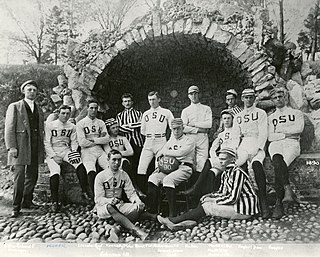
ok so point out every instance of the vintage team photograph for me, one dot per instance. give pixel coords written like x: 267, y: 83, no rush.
x: 160, y: 128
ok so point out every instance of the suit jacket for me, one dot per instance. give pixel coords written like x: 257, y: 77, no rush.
x: 17, y: 134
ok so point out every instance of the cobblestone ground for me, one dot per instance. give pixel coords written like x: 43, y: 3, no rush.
x: 78, y: 224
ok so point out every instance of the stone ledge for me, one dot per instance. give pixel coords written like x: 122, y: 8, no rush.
x: 304, y: 175
x: 69, y: 188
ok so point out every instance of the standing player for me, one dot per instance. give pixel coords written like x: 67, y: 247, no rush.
x: 129, y: 121
x: 209, y: 178
x: 154, y: 124
x: 92, y: 134
x: 231, y: 99
x: 61, y: 145
x: 181, y: 147
x: 251, y: 125
x: 197, y: 120
x: 285, y: 127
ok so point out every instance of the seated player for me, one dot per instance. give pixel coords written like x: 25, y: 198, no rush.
x: 61, y: 145
x: 285, y: 127
x: 123, y: 145
x: 181, y: 147
x: 235, y: 198
x: 92, y: 134
x: 251, y: 125
x: 110, y: 185
x: 209, y: 179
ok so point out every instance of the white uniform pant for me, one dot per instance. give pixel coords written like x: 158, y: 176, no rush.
x: 224, y: 211
x: 150, y: 149
x: 216, y: 165
x: 201, y: 150
x: 54, y: 167
x: 90, y: 156
x: 130, y: 210
x: 288, y: 148
x: 249, y: 151
x: 173, y: 179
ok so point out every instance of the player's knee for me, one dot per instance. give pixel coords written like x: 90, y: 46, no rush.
x: 168, y: 182
x: 277, y: 159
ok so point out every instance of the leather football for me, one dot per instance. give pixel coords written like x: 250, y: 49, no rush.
x: 168, y: 164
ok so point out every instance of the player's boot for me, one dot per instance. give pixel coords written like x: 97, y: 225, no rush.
x: 278, y: 211
x: 289, y: 195
x: 55, y: 207
x: 265, y: 212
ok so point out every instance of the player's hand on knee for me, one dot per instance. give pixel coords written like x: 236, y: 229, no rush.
x: 57, y: 159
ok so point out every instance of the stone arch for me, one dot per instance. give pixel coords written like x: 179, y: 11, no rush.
x: 240, y: 57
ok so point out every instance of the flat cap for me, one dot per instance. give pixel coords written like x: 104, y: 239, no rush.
x: 277, y: 90
x: 110, y: 122
x: 28, y: 82
x: 193, y: 89
x: 176, y: 122
x: 228, y: 150
x: 232, y: 92
x: 248, y: 91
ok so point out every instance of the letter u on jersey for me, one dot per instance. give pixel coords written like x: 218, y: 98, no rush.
x: 283, y: 118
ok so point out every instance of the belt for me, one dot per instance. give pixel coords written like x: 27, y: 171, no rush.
x: 190, y: 165
x: 156, y: 135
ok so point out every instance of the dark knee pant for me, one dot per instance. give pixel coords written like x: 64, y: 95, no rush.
x: 25, y: 180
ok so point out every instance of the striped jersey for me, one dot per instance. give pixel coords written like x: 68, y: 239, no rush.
x: 235, y: 109
x: 237, y: 190
x: 129, y: 121
x: 59, y: 135
x: 155, y: 121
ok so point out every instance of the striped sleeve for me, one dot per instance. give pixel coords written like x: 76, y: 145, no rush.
x: 232, y: 197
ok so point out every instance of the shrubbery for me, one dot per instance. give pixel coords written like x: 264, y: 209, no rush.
x: 12, y: 76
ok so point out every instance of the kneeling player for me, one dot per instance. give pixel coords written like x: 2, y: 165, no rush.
x: 181, y: 147
x: 61, y: 145
x: 110, y: 185
x: 235, y: 198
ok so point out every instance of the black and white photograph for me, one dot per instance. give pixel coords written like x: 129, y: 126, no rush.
x: 167, y: 128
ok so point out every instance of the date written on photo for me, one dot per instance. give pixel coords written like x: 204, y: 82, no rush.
x: 312, y: 162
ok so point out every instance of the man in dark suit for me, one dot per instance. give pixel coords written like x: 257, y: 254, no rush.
x: 24, y: 141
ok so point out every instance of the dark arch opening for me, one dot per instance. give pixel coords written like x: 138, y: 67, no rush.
x: 170, y: 65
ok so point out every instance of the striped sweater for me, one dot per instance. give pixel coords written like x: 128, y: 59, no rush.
x: 237, y: 190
